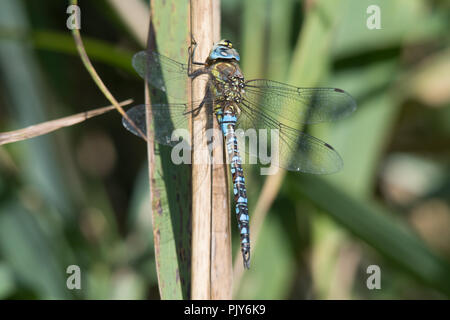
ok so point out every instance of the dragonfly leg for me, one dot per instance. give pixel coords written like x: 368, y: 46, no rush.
x: 193, y: 41
x: 191, y: 51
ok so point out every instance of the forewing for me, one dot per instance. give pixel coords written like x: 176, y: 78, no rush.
x: 164, y: 73
x: 293, y: 105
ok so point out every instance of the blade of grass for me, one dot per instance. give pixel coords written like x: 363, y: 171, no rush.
x: 96, y: 49
x: 170, y: 184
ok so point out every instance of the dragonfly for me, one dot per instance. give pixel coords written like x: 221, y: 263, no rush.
x: 242, y: 104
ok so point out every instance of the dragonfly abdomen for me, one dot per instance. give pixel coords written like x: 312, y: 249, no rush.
x: 227, y: 121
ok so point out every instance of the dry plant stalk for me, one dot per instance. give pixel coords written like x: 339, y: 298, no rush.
x: 221, y: 258
x: 201, y: 29
x: 52, y: 125
x: 211, y: 273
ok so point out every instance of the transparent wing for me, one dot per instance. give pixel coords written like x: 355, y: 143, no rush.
x: 164, y: 73
x: 292, y: 105
x: 170, y: 121
x: 287, y: 147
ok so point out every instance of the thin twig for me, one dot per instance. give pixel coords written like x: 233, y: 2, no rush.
x: 90, y: 68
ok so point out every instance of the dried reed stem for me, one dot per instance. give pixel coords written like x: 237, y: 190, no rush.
x: 221, y: 258
x: 201, y: 21
x: 52, y: 125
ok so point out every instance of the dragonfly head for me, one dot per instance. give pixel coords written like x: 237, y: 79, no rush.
x: 223, y: 50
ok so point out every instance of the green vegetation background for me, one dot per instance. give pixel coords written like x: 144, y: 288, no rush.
x: 80, y: 195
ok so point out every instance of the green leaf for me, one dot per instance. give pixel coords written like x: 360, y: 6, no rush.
x: 172, y: 195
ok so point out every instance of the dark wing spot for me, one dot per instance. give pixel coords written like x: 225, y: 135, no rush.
x: 339, y: 90
x: 328, y: 146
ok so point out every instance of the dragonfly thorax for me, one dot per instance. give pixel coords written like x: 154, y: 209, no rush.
x: 233, y: 90
x: 228, y: 84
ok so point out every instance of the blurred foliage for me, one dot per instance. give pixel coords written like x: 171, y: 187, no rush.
x: 80, y: 196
